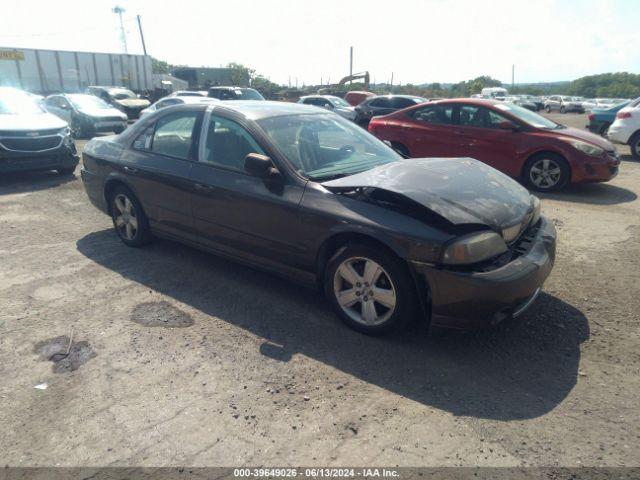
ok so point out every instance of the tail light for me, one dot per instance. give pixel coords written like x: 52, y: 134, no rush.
x: 591, y: 117
x: 623, y: 115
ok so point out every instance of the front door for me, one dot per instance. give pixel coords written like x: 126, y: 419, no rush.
x: 236, y: 212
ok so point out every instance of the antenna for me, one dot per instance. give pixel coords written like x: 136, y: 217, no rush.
x: 123, y: 37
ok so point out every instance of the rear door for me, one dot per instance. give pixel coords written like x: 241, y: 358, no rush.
x: 158, y: 164
x: 236, y: 212
x: 430, y: 132
x: 484, y: 140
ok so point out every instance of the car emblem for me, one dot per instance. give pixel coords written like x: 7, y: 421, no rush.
x: 33, y: 134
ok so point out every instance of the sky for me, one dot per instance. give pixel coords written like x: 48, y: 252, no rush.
x: 416, y: 41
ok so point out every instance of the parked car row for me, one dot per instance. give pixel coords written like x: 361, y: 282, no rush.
x: 626, y: 127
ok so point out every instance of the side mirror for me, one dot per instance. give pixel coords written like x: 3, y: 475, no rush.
x: 64, y: 106
x: 259, y: 165
x: 507, y: 125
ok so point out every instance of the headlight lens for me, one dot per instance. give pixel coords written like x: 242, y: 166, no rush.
x: 536, y: 209
x: 585, y: 147
x: 474, y: 248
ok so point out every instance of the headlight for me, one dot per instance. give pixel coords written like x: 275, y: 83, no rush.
x: 474, y: 248
x: 585, y: 147
x: 536, y: 209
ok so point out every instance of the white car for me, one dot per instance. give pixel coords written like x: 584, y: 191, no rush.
x: 189, y: 93
x: 331, y: 102
x: 170, y: 100
x: 626, y: 128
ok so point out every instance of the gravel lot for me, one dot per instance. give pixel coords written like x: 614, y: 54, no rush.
x: 181, y: 358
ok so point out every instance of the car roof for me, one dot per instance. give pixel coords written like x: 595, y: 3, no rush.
x: 231, y: 88
x: 194, y: 99
x: 259, y: 109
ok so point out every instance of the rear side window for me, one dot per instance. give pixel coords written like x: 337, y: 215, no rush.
x: 171, y: 135
x: 381, y: 103
x: 228, y: 143
x: 436, y: 114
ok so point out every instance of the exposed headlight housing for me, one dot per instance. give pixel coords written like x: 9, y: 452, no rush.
x: 536, y: 209
x: 474, y: 248
x: 585, y: 147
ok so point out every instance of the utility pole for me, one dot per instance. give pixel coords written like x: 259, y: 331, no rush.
x: 144, y: 45
x: 350, y: 61
x: 392, y: 79
x: 513, y: 76
x: 123, y: 37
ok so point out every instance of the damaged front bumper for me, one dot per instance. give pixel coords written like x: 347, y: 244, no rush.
x: 484, y: 297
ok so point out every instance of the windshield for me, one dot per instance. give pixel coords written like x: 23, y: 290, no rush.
x: 248, y: 94
x: 339, y: 102
x: 15, y: 103
x: 527, y: 116
x: 88, y: 102
x: 324, y: 146
x: 122, y: 94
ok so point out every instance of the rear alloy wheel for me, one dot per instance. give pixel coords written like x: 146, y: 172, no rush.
x: 547, y: 172
x: 548, y: 109
x: 369, y: 289
x: 129, y: 219
x: 634, y: 143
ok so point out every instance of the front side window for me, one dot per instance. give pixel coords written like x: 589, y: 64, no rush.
x: 228, y: 143
x: 325, y: 146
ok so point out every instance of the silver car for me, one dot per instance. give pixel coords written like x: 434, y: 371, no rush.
x: 171, y: 100
x: 86, y: 114
x: 563, y: 104
x: 331, y: 102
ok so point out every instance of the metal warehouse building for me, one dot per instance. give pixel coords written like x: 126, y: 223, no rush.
x: 47, y: 71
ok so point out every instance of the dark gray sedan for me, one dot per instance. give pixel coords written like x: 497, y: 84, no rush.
x: 309, y: 195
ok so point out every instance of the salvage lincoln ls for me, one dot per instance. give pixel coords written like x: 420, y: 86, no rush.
x: 310, y: 195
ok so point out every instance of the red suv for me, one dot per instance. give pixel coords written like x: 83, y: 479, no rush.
x: 512, y: 139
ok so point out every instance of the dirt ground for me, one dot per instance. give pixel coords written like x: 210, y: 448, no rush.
x: 181, y: 358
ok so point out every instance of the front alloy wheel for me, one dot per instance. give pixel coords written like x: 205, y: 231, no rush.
x: 546, y: 172
x: 370, y: 289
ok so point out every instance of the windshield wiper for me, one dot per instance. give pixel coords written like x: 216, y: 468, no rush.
x: 325, y: 178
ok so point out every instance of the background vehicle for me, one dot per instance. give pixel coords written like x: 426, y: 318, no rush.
x: 516, y: 141
x: 600, y: 119
x: 86, y: 114
x: 537, y: 101
x: 523, y: 102
x: 121, y: 98
x: 31, y: 138
x: 563, y: 104
x: 234, y: 93
x: 383, y: 105
x: 493, y: 92
x: 312, y: 196
x: 330, y: 102
x: 626, y: 127
x: 170, y: 100
x: 356, y: 97
x: 189, y: 93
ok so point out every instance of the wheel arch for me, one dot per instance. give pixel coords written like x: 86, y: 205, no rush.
x: 111, y: 184
x: 547, y: 151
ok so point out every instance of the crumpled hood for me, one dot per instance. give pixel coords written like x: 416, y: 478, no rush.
x: 462, y: 190
x: 31, y: 122
x: 586, y: 136
x: 133, y: 102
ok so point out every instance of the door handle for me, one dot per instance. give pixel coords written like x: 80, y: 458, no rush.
x: 130, y: 170
x: 203, y: 188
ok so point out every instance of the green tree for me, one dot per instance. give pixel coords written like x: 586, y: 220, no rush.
x: 160, y: 66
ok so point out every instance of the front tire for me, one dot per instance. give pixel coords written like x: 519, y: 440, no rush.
x: 634, y: 143
x: 546, y: 172
x: 129, y: 220
x: 370, y: 289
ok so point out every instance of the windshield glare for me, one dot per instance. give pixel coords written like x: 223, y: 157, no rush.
x: 527, y: 116
x: 88, y: 102
x: 324, y: 146
x: 339, y: 102
x: 15, y: 103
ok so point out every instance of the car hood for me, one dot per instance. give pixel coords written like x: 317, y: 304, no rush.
x: 462, y: 190
x: 102, y: 112
x: 586, y: 136
x: 38, y: 121
x: 133, y: 102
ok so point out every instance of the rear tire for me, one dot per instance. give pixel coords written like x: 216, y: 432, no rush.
x: 634, y: 143
x: 562, y: 110
x: 129, y: 220
x: 548, y: 109
x: 370, y: 289
x: 604, y: 129
x: 546, y: 172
